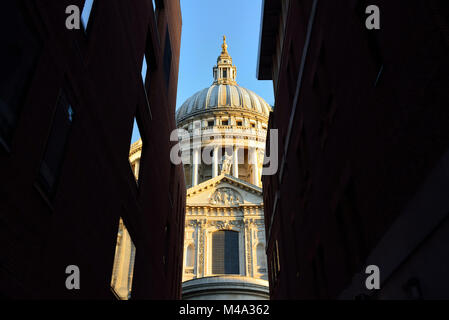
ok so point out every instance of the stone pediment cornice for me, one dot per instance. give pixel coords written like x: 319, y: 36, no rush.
x: 211, y: 183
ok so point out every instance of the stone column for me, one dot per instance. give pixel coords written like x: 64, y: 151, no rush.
x: 215, y: 163
x: 235, y: 162
x: 201, y: 249
x: 248, y: 253
x: 254, y: 163
x: 197, y: 248
x: 195, y: 167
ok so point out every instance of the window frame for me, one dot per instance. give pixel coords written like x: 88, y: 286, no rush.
x: 189, y: 265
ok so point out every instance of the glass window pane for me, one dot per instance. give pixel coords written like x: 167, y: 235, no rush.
x: 225, y: 252
x: 190, y: 256
x: 218, y: 252
x: 231, y: 252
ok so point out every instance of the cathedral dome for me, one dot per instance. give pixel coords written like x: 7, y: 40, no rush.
x: 220, y: 97
x: 224, y: 94
x: 229, y: 118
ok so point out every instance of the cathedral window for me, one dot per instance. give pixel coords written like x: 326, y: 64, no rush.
x: 225, y: 252
x: 261, y: 257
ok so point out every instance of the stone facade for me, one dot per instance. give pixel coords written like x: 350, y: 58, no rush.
x: 240, y: 209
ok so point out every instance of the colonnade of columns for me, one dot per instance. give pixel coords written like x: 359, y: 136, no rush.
x: 235, y: 164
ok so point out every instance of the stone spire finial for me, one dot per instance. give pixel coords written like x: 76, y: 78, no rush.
x: 224, y: 45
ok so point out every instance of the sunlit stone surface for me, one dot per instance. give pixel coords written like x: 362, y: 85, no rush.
x: 224, y: 246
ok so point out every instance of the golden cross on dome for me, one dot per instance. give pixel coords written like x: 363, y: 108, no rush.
x: 224, y: 46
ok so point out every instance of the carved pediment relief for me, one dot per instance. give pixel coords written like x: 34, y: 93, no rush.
x: 226, y: 196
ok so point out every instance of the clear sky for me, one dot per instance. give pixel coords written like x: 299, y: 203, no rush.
x: 204, y: 22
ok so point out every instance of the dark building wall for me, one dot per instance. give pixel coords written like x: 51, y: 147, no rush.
x: 100, y: 73
x: 363, y: 125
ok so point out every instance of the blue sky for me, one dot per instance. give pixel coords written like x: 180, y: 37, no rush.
x: 204, y: 22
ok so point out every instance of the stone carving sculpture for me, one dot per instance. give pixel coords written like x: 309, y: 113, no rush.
x: 226, y: 225
x: 226, y: 196
x: 226, y: 164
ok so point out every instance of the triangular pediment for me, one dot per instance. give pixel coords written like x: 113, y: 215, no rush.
x: 224, y: 190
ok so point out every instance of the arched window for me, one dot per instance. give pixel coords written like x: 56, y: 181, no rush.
x: 190, y: 256
x: 261, y: 256
x: 225, y: 252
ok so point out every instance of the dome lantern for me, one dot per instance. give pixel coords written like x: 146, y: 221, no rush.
x: 224, y: 95
x: 224, y: 72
